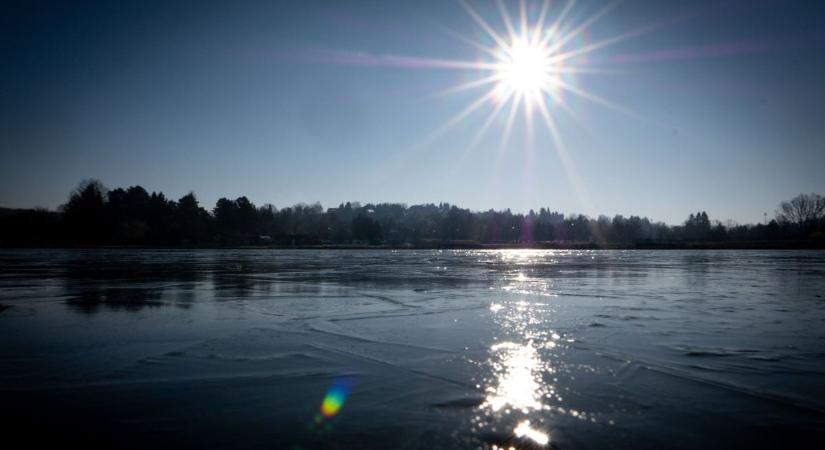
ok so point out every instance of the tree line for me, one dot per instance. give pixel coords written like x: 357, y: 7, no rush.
x: 95, y: 215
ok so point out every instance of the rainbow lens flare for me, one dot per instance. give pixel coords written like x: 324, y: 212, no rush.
x: 335, y: 398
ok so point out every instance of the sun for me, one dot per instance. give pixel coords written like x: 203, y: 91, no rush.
x: 530, y: 62
x: 525, y: 69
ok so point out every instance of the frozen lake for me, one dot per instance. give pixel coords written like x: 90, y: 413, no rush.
x: 413, y: 349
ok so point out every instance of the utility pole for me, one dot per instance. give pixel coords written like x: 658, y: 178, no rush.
x: 766, y: 218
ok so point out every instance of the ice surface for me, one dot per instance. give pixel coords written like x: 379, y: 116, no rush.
x: 438, y: 349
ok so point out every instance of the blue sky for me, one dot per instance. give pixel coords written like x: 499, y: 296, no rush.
x: 294, y: 102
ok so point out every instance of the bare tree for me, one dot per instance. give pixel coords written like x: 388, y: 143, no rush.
x: 803, y: 210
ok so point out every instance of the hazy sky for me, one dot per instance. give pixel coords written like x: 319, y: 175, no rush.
x: 718, y: 106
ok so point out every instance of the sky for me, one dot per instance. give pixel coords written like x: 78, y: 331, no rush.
x: 669, y: 107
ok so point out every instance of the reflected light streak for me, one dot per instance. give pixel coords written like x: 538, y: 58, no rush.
x: 519, y: 390
x: 524, y: 430
x: 518, y: 379
x: 522, y: 391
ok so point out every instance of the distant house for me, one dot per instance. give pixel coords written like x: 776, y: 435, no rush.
x: 265, y: 239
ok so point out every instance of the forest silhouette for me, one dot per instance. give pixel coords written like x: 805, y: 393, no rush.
x: 97, y: 216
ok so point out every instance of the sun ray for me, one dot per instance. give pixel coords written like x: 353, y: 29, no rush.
x: 467, y: 86
x: 528, y: 122
x: 567, y: 162
x: 559, y: 101
x: 553, y: 29
x: 538, y: 28
x: 508, y: 23
x: 601, y: 101
x: 569, y: 165
x: 566, y: 37
x: 483, y: 23
x: 581, y: 70
x: 508, y: 127
x: 479, y: 46
x: 456, y: 119
x: 434, y: 63
x: 559, y: 57
x: 483, y: 129
x: 523, y: 19
x: 384, y: 60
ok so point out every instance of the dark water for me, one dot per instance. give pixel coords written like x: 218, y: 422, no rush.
x: 426, y: 349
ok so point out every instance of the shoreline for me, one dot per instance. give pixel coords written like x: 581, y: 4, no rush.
x: 769, y: 245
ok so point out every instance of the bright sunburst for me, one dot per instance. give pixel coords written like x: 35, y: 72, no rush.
x: 525, y: 70
x: 531, y: 67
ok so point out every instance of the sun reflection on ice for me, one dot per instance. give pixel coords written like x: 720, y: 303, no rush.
x: 518, y: 379
x: 524, y: 430
x: 520, y: 391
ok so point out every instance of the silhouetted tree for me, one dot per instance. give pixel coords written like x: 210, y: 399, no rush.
x: 84, y: 213
x: 805, y: 211
x: 132, y: 216
x: 193, y: 221
x: 697, y: 227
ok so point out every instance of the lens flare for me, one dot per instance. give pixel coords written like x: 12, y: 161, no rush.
x: 335, y: 398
